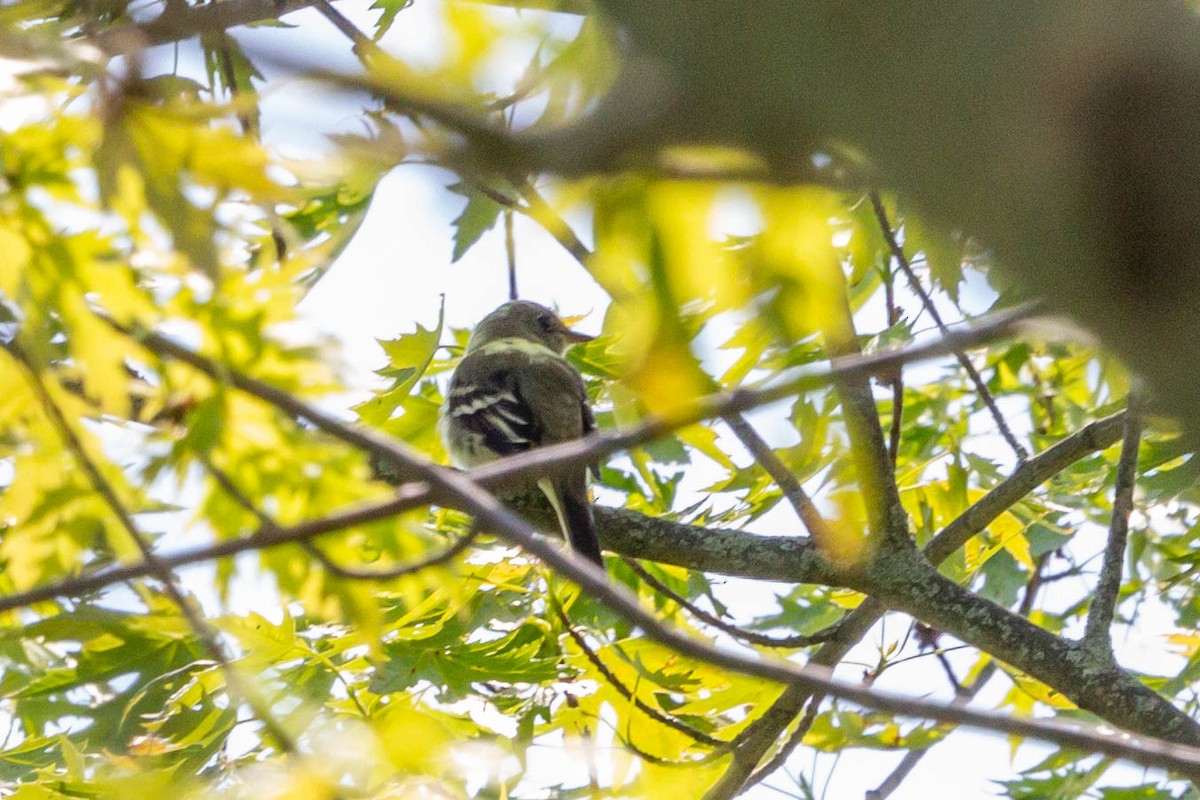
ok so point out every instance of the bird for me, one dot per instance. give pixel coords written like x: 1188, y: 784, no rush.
x: 513, y: 391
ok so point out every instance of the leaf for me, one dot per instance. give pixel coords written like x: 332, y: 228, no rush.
x: 942, y: 251
x: 409, y: 356
x: 389, y: 9
x: 478, y: 216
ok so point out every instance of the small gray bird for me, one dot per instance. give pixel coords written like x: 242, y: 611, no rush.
x: 514, y: 391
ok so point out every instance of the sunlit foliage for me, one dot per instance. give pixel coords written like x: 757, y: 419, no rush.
x: 136, y: 189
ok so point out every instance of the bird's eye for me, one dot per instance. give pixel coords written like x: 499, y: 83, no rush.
x: 547, y: 322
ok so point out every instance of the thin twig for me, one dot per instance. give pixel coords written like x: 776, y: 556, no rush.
x: 1028, y: 476
x: 514, y: 470
x: 913, y: 757
x: 228, y: 485
x: 540, y: 212
x: 510, y: 253
x: 267, y: 523
x: 249, y: 128
x: 536, y: 207
x: 187, y: 20
x: 793, y: 741
x: 1097, y: 637
x: 897, y: 380
x: 658, y: 715
x: 927, y: 301
x: 897, y: 427
x: 363, y: 45
x: 783, y: 477
x: 390, y: 573
x: 751, y: 637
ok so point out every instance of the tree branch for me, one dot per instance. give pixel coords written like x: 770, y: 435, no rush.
x: 268, y: 524
x: 913, y: 757
x: 1097, y: 637
x: 182, y: 21
x: 751, y: 637
x: 887, y: 528
x: 1094, y: 437
x: 904, y: 581
x: 783, y: 477
x: 1028, y: 476
x: 658, y: 715
x: 515, y: 470
x: 927, y: 301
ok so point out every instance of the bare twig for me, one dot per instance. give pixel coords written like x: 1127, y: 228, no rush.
x: 536, y: 207
x: 897, y: 380
x: 510, y: 254
x: 793, y: 741
x: 751, y: 637
x: 364, y: 47
x: 927, y: 301
x: 390, y: 573
x: 783, y: 477
x: 250, y: 128
x: 1097, y: 637
x: 540, y: 212
x: 913, y: 757
x: 1032, y: 473
x: 658, y: 715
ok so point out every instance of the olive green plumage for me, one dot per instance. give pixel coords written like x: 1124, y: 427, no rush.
x: 514, y: 391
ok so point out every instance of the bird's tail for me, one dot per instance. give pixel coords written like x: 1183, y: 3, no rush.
x: 576, y: 520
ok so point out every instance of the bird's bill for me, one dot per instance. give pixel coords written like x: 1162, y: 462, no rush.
x: 575, y: 337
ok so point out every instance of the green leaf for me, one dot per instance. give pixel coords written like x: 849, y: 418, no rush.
x: 389, y: 9
x: 478, y: 216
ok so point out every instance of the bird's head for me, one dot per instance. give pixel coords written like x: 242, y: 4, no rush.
x: 521, y: 319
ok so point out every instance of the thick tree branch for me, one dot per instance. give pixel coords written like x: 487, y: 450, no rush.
x: 909, y: 584
x: 1097, y: 637
x: 1092, y: 438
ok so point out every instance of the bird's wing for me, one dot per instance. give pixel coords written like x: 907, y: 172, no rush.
x: 488, y: 406
x: 553, y: 392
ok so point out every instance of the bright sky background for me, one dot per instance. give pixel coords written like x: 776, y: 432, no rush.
x: 393, y: 276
